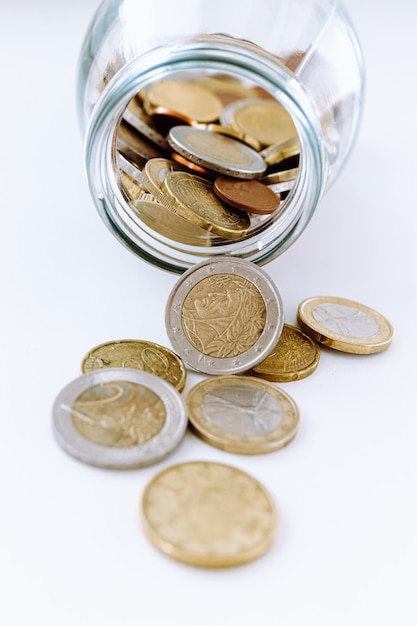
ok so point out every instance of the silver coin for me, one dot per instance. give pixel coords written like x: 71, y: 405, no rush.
x: 224, y: 316
x: 216, y: 152
x: 119, y: 418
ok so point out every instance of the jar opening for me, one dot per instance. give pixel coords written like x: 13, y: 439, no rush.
x: 204, y: 159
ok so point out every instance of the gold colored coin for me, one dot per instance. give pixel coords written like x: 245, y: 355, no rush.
x: 265, y: 120
x: 283, y: 176
x: 136, y: 354
x: 130, y: 186
x: 187, y: 98
x: 294, y: 357
x: 242, y: 414
x: 208, y: 515
x: 154, y: 174
x: 195, y: 200
x: 344, y: 325
x: 281, y: 151
x: 232, y: 132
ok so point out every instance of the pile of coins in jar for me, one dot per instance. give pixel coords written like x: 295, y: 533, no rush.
x: 224, y: 319
x: 205, y: 161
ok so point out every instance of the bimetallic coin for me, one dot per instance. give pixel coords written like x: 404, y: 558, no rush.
x: 154, y: 174
x: 217, y: 152
x: 294, y: 357
x: 119, y: 418
x: 265, y: 120
x: 224, y: 316
x: 251, y: 196
x: 232, y: 132
x: 136, y: 354
x: 242, y: 414
x: 188, y: 98
x: 208, y: 515
x: 344, y: 325
x: 194, y: 199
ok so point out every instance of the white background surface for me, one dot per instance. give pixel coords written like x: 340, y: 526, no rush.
x: 72, y: 548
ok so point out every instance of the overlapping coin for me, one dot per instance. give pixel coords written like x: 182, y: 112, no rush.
x: 208, y: 514
x: 242, y: 414
x: 119, y: 418
x: 224, y: 316
x: 137, y: 354
x: 294, y: 357
x: 344, y: 325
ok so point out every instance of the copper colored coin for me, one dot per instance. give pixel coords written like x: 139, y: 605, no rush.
x: 251, y: 195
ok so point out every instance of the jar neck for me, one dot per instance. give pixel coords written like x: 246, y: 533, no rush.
x: 219, y: 54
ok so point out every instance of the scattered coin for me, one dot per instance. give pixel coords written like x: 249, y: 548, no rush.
x: 242, y: 414
x: 216, y: 152
x: 119, y: 418
x: 281, y: 152
x: 137, y: 354
x: 344, y: 325
x: 208, y: 515
x: 294, y: 357
x: 224, y: 316
x: 134, y: 147
x: 251, y: 196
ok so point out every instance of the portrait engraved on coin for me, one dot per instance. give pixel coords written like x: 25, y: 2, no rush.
x: 119, y: 414
x: 223, y: 315
x: 243, y: 411
x: 346, y: 320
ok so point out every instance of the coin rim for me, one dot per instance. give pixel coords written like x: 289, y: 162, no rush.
x: 274, y: 321
x: 272, y: 441
x: 209, y: 560
x: 158, y: 447
x: 183, y: 372
x: 353, y: 345
x: 253, y: 170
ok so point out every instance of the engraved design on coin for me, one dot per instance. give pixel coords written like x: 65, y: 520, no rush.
x: 294, y: 357
x: 118, y: 414
x: 242, y: 414
x: 346, y: 320
x: 223, y: 315
x: 242, y: 411
x: 119, y: 418
x: 208, y: 514
x: 345, y: 325
x: 137, y: 354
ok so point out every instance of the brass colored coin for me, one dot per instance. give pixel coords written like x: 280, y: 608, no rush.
x: 154, y: 174
x: 217, y: 152
x: 187, y: 98
x: 294, y: 357
x: 344, y: 325
x: 130, y: 186
x: 142, y: 355
x: 276, y: 178
x: 208, y: 514
x: 265, y: 120
x: 159, y: 219
x: 281, y: 151
x: 195, y: 200
x: 251, y: 196
x: 228, y: 88
x: 242, y: 414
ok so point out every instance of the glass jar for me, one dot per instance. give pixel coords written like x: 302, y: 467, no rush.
x: 300, y: 55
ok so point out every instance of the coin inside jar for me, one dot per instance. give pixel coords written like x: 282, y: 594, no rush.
x: 251, y: 196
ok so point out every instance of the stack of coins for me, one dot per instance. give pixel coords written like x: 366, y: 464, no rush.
x: 205, y: 160
x: 225, y: 319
